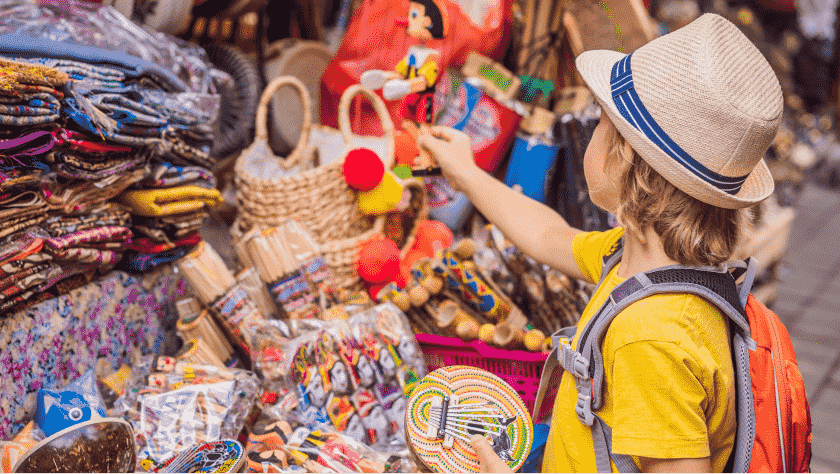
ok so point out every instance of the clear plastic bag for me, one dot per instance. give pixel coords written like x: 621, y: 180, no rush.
x: 89, y: 24
x: 352, y: 375
x: 179, y: 404
x: 317, y: 450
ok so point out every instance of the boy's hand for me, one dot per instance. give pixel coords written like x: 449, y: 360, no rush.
x: 488, y: 460
x: 452, y: 150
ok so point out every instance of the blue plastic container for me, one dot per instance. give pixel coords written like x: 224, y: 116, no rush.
x: 530, y: 160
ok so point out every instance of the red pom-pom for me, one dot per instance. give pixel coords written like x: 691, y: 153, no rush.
x: 379, y: 261
x: 374, y: 289
x: 401, y: 280
x: 363, y: 170
x: 431, y: 234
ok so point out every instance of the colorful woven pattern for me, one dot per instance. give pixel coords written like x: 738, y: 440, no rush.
x: 479, y: 399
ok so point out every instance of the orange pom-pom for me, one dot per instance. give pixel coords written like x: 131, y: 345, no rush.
x: 405, y: 148
x: 379, y: 261
x: 431, y: 234
x: 363, y: 170
x: 408, y: 261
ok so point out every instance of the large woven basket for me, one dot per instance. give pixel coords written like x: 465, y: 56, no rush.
x: 312, y: 192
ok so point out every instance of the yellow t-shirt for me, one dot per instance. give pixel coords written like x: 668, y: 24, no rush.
x: 669, y: 389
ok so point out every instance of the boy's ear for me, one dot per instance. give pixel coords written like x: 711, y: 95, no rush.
x: 427, y: 22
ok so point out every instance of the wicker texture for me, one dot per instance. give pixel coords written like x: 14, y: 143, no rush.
x: 317, y: 198
x: 713, y: 93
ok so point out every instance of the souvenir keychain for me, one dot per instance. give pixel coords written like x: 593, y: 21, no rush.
x: 453, y: 403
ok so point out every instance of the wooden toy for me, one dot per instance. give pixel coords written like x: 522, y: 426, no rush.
x: 414, y: 80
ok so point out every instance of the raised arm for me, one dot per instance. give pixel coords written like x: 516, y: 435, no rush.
x: 533, y: 227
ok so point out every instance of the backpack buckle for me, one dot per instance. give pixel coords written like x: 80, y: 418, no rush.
x: 583, y: 408
x: 573, y: 362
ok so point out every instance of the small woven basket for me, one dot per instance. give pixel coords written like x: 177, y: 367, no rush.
x: 318, y: 198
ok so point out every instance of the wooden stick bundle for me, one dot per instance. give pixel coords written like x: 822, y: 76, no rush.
x: 197, y: 351
x: 288, y: 285
x: 207, y: 273
x: 203, y: 328
x: 249, y: 279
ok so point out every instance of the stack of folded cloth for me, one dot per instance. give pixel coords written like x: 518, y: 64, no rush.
x: 102, y: 164
x: 37, y: 259
x: 29, y: 108
x: 166, y: 221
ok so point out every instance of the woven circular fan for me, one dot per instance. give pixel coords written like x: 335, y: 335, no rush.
x: 451, y: 404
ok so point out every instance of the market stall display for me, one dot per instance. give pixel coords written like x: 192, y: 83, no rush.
x: 354, y: 267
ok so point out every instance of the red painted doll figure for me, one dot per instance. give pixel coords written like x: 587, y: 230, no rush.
x: 415, y: 76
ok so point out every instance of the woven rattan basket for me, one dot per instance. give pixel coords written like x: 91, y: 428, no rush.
x: 314, y: 194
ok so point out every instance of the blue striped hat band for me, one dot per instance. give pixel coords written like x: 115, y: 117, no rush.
x: 631, y: 108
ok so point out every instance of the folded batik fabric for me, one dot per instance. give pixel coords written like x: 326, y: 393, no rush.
x: 178, y: 145
x: 24, y: 263
x: 167, y: 229
x: 20, y: 206
x: 141, y: 262
x: 117, y: 168
x: 28, y: 94
x: 21, y: 223
x: 149, y: 246
x: 167, y: 175
x: 75, y: 141
x: 13, y: 74
x: 29, y: 290
x: 90, y: 238
x: 16, y: 150
x: 108, y: 215
x: 89, y: 74
x: 178, y: 200
x: 73, y: 197
x: 22, y: 245
x: 20, y: 178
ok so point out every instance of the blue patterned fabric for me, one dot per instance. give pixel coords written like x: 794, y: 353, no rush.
x: 100, y: 325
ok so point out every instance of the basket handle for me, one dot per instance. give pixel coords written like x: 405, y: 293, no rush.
x: 422, y: 213
x: 381, y: 111
x: 261, y: 128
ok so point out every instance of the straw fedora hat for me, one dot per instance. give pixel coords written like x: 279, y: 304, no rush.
x: 701, y: 105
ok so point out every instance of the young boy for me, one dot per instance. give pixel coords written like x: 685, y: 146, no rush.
x: 677, y: 156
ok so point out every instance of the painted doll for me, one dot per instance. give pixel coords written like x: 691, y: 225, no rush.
x: 415, y: 76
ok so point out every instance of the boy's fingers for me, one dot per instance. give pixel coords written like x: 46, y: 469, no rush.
x: 445, y: 133
x: 431, y: 143
x: 488, y: 460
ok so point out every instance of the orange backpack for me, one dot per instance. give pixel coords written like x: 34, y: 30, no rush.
x: 773, y: 416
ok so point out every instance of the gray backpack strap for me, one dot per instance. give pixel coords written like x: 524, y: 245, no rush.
x: 611, y: 259
x: 552, y: 374
x: 602, y: 439
x: 553, y: 368
x: 587, y: 365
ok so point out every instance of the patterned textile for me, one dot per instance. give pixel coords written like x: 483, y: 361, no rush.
x: 167, y: 201
x: 142, y: 262
x: 108, y: 215
x: 145, y: 245
x: 101, y: 325
x: 166, y: 175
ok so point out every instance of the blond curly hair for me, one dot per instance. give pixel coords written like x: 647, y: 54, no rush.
x: 692, y: 232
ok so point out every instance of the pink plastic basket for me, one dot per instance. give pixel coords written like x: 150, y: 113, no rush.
x: 522, y: 370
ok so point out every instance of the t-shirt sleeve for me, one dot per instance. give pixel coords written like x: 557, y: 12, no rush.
x: 658, y: 402
x: 589, y: 249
